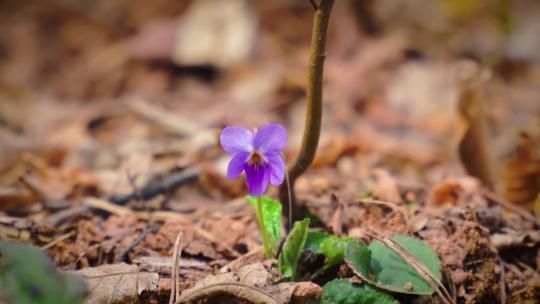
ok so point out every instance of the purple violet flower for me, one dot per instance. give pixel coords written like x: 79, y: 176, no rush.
x: 257, y: 153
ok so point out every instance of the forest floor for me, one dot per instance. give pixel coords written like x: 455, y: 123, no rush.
x: 110, y: 148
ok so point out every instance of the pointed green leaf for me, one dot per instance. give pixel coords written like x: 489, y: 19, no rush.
x: 292, y: 249
x: 341, y: 291
x: 271, y: 210
x: 314, y: 241
x: 387, y: 270
x: 358, y: 256
x: 27, y: 275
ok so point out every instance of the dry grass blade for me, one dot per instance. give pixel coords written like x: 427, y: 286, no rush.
x: 177, y: 251
x: 418, y: 266
x: 107, y: 206
x: 58, y: 240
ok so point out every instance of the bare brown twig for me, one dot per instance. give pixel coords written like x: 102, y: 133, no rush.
x: 312, y: 128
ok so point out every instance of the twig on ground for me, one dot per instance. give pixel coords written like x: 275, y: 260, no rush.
x: 158, y: 185
x: 140, y: 238
x: 62, y: 216
x: 109, y: 207
x: 95, y: 246
x: 177, y: 251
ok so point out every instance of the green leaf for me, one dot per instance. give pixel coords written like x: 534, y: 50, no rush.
x: 387, y: 270
x: 27, y: 275
x: 334, y: 247
x: 271, y: 210
x: 358, y: 256
x: 341, y: 291
x: 292, y: 249
x: 314, y: 240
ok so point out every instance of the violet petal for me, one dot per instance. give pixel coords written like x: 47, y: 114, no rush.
x: 257, y: 178
x: 237, y: 164
x: 236, y: 139
x: 270, y: 138
x: 277, y: 168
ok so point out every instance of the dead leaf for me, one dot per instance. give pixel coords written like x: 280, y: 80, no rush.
x: 117, y: 283
x: 522, y: 174
x: 252, y: 283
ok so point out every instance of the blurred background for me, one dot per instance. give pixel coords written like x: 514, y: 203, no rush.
x: 94, y: 93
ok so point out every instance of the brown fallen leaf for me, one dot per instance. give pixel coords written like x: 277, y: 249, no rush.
x: 252, y: 283
x: 116, y: 283
x: 522, y: 174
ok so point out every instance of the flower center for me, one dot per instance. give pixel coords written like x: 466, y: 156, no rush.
x: 256, y: 158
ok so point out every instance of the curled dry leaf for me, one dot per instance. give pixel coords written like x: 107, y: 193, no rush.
x: 116, y: 283
x: 522, y: 174
x: 251, y: 283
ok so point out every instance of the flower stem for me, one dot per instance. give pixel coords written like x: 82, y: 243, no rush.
x: 260, y: 219
x: 312, y: 127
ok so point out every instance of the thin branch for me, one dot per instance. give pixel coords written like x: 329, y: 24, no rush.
x: 312, y: 127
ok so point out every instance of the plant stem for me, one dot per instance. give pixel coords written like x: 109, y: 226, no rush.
x: 312, y: 127
x: 260, y: 219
